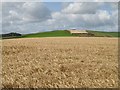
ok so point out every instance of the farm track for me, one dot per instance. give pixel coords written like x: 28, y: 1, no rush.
x: 78, y: 62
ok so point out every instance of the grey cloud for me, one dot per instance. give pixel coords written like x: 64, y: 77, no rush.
x: 35, y: 12
x: 24, y: 12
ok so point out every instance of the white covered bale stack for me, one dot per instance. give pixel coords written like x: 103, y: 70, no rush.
x: 79, y: 32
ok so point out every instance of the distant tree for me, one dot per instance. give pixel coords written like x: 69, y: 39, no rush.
x: 12, y: 34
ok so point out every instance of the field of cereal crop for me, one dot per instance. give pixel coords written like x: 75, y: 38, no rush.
x: 62, y: 62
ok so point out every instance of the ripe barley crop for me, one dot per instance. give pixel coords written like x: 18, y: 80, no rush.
x: 60, y: 62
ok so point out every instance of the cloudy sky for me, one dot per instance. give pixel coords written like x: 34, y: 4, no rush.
x: 32, y: 17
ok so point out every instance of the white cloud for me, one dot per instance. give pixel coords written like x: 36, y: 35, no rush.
x: 60, y: 0
x: 25, y: 12
x: 16, y: 14
x: 81, y: 8
x: 36, y: 17
x: 100, y: 18
x: 95, y: 17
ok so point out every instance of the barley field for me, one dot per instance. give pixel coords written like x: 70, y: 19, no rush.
x: 64, y: 62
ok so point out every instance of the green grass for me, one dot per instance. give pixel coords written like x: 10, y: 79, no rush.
x: 65, y: 33
x: 57, y: 33
x: 104, y: 34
